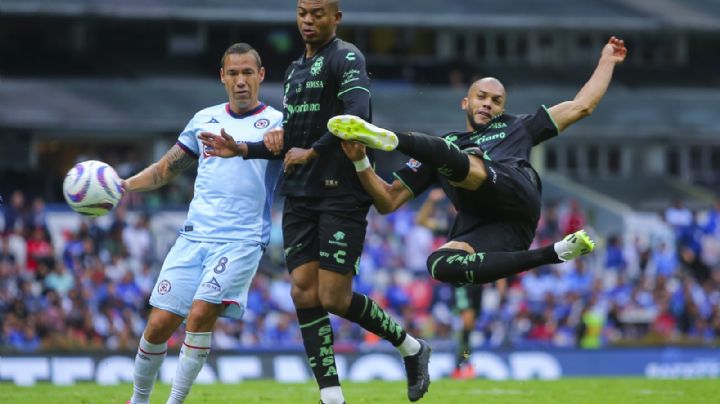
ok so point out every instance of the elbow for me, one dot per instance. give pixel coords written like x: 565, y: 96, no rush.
x: 384, y: 209
x: 583, y: 110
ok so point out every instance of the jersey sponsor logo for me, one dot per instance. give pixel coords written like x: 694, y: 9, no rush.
x: 315, y: 84
x: 350, y: 76
x: 497, y: 125
x: 164, y: 287
x: 317, y: 66
x: 451, y: 139
x: 413, y: 164
x: 213, y: 120
x: 331, y: 183
x: 302, y: 108
x: 262, y: 123
x: 212, y: 284
x: 350, y: 56
x: 489, y: 138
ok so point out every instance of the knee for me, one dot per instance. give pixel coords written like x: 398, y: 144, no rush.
x: 433, y: 261
x: 304, y: 295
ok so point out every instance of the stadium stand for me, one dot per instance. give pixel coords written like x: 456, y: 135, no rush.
x: 115, y: 80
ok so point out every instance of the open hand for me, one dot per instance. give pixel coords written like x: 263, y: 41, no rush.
x: 222, y: 145
x: 297, y: 155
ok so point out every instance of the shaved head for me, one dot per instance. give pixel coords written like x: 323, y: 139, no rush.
x: 488, y: 82
x: 333, y: 4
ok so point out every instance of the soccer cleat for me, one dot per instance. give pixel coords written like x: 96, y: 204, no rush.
x: 351, y: 127
x: 416, y: 367
x: 574, y: 245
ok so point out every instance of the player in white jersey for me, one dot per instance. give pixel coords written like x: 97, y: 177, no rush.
x: 208, y: 271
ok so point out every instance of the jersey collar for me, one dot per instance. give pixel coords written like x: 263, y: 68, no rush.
x: 260, y: 108
x: 322, y: 48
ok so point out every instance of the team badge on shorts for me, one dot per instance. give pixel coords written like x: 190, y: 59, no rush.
x: 413, y: 164
x: 164, y: 287
x: 262, y: 123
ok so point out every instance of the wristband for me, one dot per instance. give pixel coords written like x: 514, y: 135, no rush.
x: 362, y: 165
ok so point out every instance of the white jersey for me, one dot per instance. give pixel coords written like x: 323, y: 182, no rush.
x: 232, y: 195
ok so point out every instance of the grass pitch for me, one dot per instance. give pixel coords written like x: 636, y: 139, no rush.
x: 597, y: 390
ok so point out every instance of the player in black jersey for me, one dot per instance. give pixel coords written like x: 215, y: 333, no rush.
x: 487, y: 175
x: 324, y: 216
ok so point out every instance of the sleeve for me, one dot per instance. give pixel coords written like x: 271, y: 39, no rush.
x: 187, y: 140
x: 257, y: 150
x: 540, y: 125
x: 416, y: 177
x: 349, y: 69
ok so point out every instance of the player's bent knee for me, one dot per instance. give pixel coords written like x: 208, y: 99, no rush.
x: 304, y: 297
x: 441, y: 265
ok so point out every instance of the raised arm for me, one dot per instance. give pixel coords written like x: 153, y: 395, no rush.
x: 161, y: 172
x: 386, y: 197
x: 569, y: 112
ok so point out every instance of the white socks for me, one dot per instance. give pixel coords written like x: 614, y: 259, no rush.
x: 193, y: 355
x: 332, y: 395
x: 147, y: 363
x: 409, y: 347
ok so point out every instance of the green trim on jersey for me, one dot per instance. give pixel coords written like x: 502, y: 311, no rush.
x: 353, y: 88
x: 551, y: 118
x: 404, y: 184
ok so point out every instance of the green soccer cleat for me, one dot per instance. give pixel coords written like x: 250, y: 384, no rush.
x: 574, y: 245
x: 351, y: 127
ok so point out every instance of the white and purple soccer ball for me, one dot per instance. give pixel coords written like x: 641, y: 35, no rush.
x: 92, y: 188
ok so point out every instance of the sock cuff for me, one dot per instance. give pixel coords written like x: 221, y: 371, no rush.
x: 198, y: 340
x: 152, y: 349
x: 309, y: 315
x: 359, y: 303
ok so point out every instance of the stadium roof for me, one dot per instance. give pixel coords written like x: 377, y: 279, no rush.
x: 599, y: 14
x: 139, y: 106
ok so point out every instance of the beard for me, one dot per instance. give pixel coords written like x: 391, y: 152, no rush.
x: 478, y: 127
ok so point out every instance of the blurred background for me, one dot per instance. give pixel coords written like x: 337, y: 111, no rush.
x: 118, y: 80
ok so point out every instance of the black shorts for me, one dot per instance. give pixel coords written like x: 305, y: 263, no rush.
x: 330, y: 230
x: 469, y: 297
x: 503, y: 213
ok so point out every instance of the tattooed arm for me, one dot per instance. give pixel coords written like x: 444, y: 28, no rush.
x: 161, y: 172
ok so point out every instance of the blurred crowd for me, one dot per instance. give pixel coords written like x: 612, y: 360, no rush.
x: 643, y: 290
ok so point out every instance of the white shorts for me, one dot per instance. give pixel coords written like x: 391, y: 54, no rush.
x: 218, y: 273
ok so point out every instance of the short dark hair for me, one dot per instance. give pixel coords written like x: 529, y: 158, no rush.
x: 241, y: 48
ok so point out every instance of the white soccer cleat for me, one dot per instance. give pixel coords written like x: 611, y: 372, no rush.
x: 351, y: 127
x: 574, y: 245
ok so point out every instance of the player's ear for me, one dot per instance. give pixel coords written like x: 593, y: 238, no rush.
x: 261, y: 74
x: 464, y: 103
x: 338, y: 16
x: 222, y: 75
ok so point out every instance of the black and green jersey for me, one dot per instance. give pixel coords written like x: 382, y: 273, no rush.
x: 508, y: 139
x: 332, y: 82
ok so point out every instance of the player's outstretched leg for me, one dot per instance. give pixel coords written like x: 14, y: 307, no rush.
x: 435, y: 151
x: 461, y: 267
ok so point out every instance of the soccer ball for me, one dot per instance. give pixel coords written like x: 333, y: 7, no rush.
x: 92, y: 188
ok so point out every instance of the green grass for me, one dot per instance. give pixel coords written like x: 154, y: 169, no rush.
x: 598, y: 390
